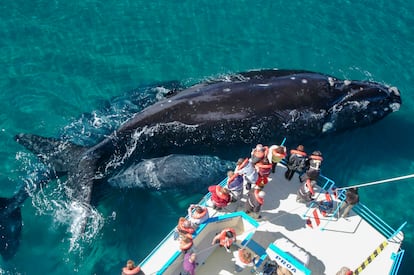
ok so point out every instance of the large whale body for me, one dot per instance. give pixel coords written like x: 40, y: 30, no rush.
x: 220, y: 116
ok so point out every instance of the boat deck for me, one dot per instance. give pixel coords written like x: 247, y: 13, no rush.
x: 325, y: 243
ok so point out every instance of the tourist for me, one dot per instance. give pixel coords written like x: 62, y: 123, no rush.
x: 130, y: 268
x: 235, y: 185
x: 243, y: 258
x: 296, y: 162
x: 197, y: 214
x: 249, y: 172
x: 225, y: 238
x: 254, y: 202
x: 220, y: 196
x: 275, y: 155
x: 189, y: 264
x: 351, y: 198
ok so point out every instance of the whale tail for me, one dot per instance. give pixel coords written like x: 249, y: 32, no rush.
x: 60, y: 154
x: 64, y: 158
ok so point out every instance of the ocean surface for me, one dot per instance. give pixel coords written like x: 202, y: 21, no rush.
x: 72, y: 68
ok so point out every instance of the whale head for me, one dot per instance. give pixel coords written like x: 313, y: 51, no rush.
x: 361, y: 103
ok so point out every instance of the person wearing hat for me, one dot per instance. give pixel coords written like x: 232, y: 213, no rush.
x: 254, y: 202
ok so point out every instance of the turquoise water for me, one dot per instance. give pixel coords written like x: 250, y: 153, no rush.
x: 60, y: 59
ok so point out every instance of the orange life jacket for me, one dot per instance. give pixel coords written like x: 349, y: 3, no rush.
x: 297, y: 152
x: 242, y: 258
x: 197, y: 215
x: 135, y: 270
x: 224, y: 240
x: 184, y: 229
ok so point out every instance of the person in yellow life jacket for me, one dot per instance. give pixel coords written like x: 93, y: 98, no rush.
x: 275, y: 155
x: 297, y: 162
x: 254, y: 202
x: 197, y: 214
x: 130, y: 268
x: 225, y: 238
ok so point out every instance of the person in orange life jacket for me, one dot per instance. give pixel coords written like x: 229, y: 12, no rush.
x: 197, y: 214
x: 243, y: 258
x: 305, y: 192
x: 313, y: 167
x: 186, y: 242
x: 130, y: 268
x: 297, y: 162
x: 249, y: 172
x: 263, y: 169
x: 259, y: 153
x: 275, y: 155
x: 351, y: 198
x: 220, y: 196
x: 254, y: 202
x: 225, y: 238
x: 235, y: 185
x: 184, y: 226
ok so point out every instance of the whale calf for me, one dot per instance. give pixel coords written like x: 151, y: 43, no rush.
x: 218, y: 117
x: 190, y: 172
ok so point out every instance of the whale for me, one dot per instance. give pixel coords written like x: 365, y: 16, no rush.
x: 220, y: 117
x: 189, y: 172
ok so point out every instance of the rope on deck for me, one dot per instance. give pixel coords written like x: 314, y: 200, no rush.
x: 371, y: 257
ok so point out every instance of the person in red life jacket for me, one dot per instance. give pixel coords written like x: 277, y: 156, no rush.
x: 314, y: 167
x: 184, y: 226
x: 306, y: 191
x: 263, y: 170
x: 186, y: 242
x: 220, y: 196
x: 297, y: 162
x: 275, y: 155
x: 225, y: 238
x: 197, y: 214
x: 243, y: 258
x: 245, y: 167
x: 259, y: 153
x: 130, y: 268
x: 235, y: 185
x: 254, y: 202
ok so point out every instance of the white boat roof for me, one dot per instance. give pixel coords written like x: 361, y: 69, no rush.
x: 361, y: 242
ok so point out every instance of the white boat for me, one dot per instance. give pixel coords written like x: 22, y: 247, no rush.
x: 296, y: 236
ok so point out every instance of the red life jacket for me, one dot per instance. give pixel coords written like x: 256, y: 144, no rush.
x: 297, y: 152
